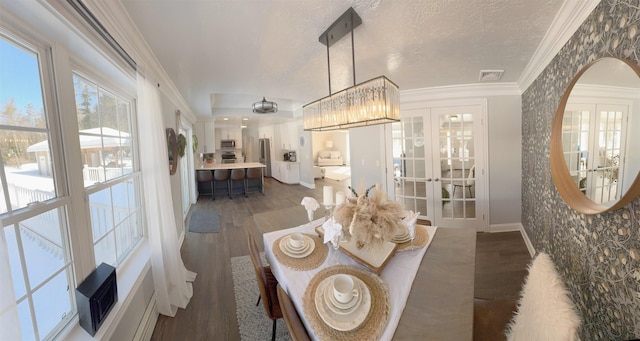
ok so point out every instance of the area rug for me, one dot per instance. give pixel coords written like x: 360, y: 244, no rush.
x: 337, y: 173
x: 204, y: 222
x: 252, y: 320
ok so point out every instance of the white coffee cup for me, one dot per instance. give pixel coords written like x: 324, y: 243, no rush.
x: 343, y: 288
x: 296, y: 240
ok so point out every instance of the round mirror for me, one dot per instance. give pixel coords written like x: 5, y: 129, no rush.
x: 172, y: 147
x: 595, y: 152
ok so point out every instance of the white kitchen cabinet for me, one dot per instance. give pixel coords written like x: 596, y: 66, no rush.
x: 288, y: 133
x: 283, y: 133
x: 292, y: 130
x: 229, y: 134
x: 275, y: 170
x: 286, y: 172
x: 209, y: 140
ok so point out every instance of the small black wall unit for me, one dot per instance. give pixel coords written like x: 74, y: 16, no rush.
x: 95, y: 297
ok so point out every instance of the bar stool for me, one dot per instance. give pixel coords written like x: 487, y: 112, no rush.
x: 237, y: 175
x: 205, y: 176
x: 253, y: 181
x: 221, y: 176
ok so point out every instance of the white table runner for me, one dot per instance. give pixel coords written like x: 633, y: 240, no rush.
x: 398, y: 274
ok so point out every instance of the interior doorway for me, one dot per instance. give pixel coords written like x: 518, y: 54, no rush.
x: 438, y: 164
x: 331, y: 155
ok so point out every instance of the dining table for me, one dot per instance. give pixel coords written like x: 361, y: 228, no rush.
x: 430, y: 289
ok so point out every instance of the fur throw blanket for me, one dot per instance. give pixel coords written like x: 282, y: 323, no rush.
x: 545, y: 310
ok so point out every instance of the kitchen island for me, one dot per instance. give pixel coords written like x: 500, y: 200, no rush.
x: 205, y: 187
x: 235, y: 165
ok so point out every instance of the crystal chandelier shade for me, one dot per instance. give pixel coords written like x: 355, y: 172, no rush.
x: 375, y: 101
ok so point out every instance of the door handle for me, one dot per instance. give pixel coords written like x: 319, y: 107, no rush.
x: 429, y: 180
x: 436, y: 180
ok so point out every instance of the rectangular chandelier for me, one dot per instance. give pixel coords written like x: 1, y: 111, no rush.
x: 375, y: 101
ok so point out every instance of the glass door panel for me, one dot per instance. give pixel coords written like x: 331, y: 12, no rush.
x: 409, y: 164
x: 435, y: 157
x: 457, y: 162
x: 593, y: 139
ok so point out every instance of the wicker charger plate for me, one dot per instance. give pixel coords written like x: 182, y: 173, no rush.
x: 421, y: 239
x: 312, y: 261
x: 373, y: 325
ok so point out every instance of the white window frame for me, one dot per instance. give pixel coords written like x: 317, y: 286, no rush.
x: 59, y: 95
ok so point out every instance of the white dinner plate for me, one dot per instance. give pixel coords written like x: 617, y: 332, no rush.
x: 286, y: 248
x: 342, y: 322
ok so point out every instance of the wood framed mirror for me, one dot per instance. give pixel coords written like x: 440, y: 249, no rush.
x: 172, y: 148
x: 595, y: 148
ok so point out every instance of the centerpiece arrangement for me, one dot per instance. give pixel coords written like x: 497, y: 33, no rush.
x: 370, y: 220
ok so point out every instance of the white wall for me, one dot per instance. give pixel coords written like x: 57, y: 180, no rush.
x: 169, y: 119
x: 505, y: 159
x: 367, y: 150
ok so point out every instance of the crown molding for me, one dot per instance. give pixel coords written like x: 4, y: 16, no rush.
x: 571, y: 15
x: 113, y: 16
x: 460, y: 91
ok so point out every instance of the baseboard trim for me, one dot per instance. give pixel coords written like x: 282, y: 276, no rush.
x: 308, y: 185
x: 527, y: 241
x: 148, y: 323
x: 505, y: 227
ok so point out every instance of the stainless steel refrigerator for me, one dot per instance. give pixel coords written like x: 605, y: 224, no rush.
x: 265, y: 155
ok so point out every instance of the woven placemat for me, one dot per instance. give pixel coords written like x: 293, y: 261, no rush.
x: 421, y: 239
x: 374, y: 324
x: 312, y: 261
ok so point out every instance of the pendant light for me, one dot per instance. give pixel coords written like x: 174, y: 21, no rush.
x: 375, y: 101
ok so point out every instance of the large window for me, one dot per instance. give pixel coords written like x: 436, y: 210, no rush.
x: 70, y: 197
x: 113, y: 189
x: 34, y: 206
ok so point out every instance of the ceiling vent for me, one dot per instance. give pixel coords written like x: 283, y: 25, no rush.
x: 490, y: 75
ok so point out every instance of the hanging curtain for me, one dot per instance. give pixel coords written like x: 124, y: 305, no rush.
x: 171, y: 279
x: 9, y: 322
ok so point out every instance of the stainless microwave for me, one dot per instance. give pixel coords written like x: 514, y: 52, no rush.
x: 227, y: 143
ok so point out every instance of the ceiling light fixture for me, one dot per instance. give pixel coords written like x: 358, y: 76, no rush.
x: 375, y: 101
x: 265, y: 107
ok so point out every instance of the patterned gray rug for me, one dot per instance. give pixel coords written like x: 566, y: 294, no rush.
x: 204, y: 222
x: 252, y: 320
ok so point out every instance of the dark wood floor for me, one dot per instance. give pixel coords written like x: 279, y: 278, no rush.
x: 211, y: 315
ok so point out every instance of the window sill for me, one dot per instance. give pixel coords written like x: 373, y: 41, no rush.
x: 129, y: 276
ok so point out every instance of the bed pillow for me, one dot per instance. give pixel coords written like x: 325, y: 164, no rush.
x: 324, y: 154
x: 545, y: 310
x: 335, y: 155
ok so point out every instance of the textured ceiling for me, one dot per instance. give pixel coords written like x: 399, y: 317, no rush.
x: 223, y: 55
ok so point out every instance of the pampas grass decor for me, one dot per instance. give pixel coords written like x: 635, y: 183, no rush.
x: 370, y: 220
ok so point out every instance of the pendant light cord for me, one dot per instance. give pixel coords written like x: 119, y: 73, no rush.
x: 329, y: 62
x: 353, y: 52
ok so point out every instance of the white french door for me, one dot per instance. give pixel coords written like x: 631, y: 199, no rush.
x: 593, y: 139
x: 438, y: 159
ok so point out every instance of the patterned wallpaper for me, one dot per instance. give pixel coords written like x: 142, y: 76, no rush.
x: 598, y: 256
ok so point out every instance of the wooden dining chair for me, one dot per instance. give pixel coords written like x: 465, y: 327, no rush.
x: 297, y: 331
x: 267, y: 284
x: 491, y: 317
